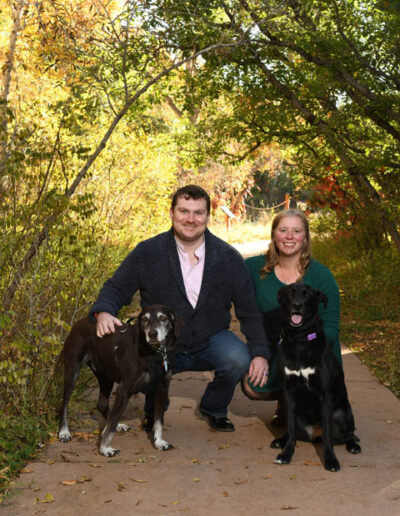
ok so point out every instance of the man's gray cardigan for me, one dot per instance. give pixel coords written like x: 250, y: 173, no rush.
x: 153, y: 268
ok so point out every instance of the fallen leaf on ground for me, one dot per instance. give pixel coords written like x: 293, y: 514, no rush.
x: 196, y: 480
x: 267, y: 477
x: 47, y: 499
x: 68, y: 482
x: 95, y: 465
x: 288, y: 508
x: 225, y: 493
x: 138, y: 480
x: 26, y: 470
x: 311, y: 463
x: 223, y: 446
x: 84, y: 479
x: 292, y: 477
x: 121, y: 486
x: 241, y: 481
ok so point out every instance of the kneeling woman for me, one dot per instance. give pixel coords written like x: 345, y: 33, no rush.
x: 288, y: 260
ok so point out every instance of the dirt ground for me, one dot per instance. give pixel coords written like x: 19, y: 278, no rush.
x: 211, y: 472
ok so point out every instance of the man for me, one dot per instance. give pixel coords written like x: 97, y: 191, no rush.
x: 199, y: 276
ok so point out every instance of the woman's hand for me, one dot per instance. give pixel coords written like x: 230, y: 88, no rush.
x: 258, y: 371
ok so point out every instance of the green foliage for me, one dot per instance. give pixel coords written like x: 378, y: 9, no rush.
x: 20, y: 437
x: 370, y: 297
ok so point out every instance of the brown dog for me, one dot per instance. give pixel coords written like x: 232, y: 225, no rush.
x: 137, y: 357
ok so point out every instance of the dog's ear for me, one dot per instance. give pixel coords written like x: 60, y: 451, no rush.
x: 322, y: 298
x: 281, y: 295
x: 177, y: 323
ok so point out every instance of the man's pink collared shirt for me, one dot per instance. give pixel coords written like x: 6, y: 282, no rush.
x: 192, y: 274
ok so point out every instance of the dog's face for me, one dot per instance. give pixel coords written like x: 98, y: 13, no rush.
x: 157, y: 322
x: 299, y: 303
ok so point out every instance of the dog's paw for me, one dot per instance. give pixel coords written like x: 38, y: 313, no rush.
x: 64, y: 436
x: 162, y: 445
x: 278, y: 443
x: 332, y: 465
x: 353, y: 447
x: 122, y: 427
x: 282, y: 459
x: 107, y: 451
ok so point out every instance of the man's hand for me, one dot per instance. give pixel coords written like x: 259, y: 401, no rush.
x: 106, y: 324
x: 258, y: 371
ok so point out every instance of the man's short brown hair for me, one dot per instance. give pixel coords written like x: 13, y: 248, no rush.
x: 190, y: 192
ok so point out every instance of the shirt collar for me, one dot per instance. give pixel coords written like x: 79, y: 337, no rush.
x: 199, y: 252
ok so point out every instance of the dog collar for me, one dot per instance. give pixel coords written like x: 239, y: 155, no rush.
x: 311, y: 336
x: 164, y: 357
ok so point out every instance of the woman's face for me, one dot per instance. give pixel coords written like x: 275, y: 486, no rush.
x: 290, y: 236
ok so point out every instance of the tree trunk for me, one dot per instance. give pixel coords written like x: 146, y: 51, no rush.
x: 7, y: 69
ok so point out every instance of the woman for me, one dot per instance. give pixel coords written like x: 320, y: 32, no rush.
x: 288, y: 260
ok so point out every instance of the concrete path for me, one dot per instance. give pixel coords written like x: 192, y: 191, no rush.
x: 218, y: 473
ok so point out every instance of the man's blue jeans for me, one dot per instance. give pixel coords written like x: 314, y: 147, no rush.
x: 228, y: 356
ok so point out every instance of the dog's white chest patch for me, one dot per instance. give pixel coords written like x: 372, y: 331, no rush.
x: 306, y: 372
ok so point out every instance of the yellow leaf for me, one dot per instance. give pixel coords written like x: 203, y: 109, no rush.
x: 47, y: 499
x: 292, y: 477
x: 196, y: 480
x: 223, y: 446
x: 84, y: 479
x: 26, y: 470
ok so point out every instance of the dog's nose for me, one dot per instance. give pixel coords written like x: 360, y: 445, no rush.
x: 153, y: 334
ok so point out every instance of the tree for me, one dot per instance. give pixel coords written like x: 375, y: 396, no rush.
x: 106, y: 59
x: 320, y: 76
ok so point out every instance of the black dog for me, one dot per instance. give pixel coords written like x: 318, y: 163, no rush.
x: 136, y: 357
x: 314, y: 387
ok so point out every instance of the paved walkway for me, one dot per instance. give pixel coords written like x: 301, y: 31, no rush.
x: 218, y: 473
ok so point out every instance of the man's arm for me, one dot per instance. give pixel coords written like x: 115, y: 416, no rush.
x: 116, y: 292
x: 246, y: 309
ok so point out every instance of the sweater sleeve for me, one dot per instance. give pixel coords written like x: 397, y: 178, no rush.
x: 247, y: 312
x: 325, y: 281
x: 118, y: 290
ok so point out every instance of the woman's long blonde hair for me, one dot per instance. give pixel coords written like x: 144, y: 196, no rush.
x: 272, y: 254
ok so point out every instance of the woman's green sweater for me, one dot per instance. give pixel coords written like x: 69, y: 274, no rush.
x: 317, y: 276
